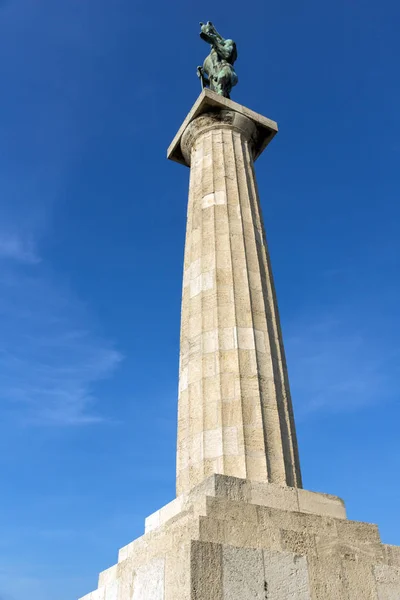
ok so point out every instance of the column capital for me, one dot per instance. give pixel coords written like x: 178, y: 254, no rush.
x: 218, y: 119
x: 261, y: 129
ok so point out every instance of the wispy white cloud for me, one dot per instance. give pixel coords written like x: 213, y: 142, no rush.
x: 336, y: 364
x: 14, y: 247
x: 50, y: 354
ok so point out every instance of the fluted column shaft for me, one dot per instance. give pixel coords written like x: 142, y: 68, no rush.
x: 235, y: 414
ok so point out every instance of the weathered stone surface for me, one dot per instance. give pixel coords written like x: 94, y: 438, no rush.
x: 149, y: 581
x: 253, y: 493
x: 286, y: 576
x: 320, y: 504
x: 388, y: 582
x: 111, y: 591
x: 392, y: 554
x: 243, y: 574
x: 206, y: 571
x: 222, y: 546
x: 108, y: 576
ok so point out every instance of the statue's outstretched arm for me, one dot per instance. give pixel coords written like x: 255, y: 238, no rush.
x: 224, y: 49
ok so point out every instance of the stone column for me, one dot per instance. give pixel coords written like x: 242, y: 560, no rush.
x: 235, y: 414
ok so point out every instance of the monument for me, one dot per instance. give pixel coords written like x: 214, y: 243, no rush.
x: 241, y: 527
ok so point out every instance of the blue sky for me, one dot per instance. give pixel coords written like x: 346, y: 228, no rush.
x: 92, y: 220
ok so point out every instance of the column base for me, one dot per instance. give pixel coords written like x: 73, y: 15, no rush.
x: 231, y: 539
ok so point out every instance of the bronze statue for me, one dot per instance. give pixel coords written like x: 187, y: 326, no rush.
x: 217, y: 71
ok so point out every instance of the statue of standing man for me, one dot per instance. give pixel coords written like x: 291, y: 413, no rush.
x: 217, y: 71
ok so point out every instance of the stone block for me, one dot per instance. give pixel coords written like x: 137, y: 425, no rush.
x: 229, y: 362
x: 212, y: 415
x: 108, y: 576
x: 357, y: 532
x: 359, y: 580
x: 298, y: 542
x: 326, y: 578
x: 230, y: 441
x: 251, y: 411
x: 220, y: 508
x: 153, y: 520
x: 256, y: 467
x: 208, y: 319
x: 388, y: 582
x: 242, y: 534
x: 243, y: 574
x: 213, y: 443
x: 246, y: 338
x: 393, y: 554
x: 321, y: 504
x: 177, y: 572
x: 161, y: 516
x: 149, y: 581
x: 286, y: 576
x: 268, y: 494
x: 296, y: 521
x: 126, y: 576
x: 232, y: 488
x: 210, y: 365
x: 232, y: 412
x: 210, y: 341
x: 248, y: 363
x: 234, y: 465
x: 111, y: 590
x: 206, y: 571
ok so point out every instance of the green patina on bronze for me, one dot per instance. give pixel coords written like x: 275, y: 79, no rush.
x: 217, y: 71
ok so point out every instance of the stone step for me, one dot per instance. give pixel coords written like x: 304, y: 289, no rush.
x: 251, y: 492
x: 269, y: 518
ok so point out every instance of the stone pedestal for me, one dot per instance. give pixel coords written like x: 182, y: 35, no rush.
x: 233, y: 539
x: 241, y: 527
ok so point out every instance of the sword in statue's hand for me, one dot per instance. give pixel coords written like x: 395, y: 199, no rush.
x: 200, y: 75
